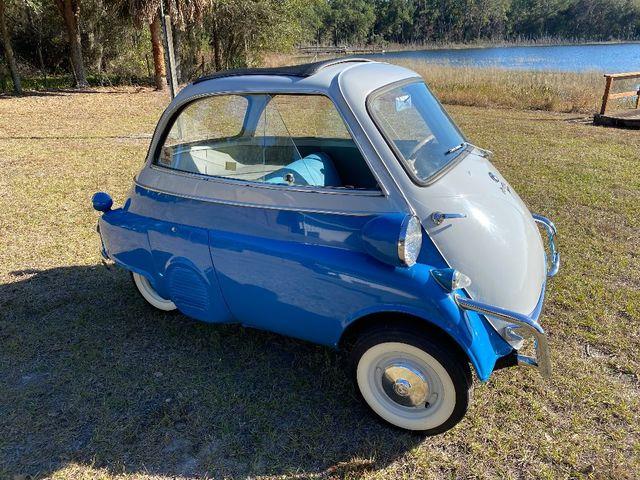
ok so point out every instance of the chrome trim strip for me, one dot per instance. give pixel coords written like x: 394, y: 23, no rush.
x: 552, y: 231
x: 439, y: 217
x: 526, y: 327
x: 255, y: 205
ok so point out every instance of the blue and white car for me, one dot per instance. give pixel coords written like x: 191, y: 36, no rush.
x: 338, y: 203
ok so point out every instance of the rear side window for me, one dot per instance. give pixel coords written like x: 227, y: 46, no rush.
x: 294, y: 140
x: 211, y: 118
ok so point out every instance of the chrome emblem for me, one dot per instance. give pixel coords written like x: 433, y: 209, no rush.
x: 503, y: 185
x: 402, y: 387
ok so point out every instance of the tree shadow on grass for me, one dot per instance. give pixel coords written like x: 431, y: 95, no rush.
x: 90, y: 375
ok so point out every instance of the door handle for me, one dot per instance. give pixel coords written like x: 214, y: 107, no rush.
x: 439, y: 217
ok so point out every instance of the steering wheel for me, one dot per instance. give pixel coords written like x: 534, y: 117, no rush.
x: 417, y: 148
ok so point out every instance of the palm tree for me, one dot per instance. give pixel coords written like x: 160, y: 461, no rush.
x: 181, y: 12
x: 8, y: 50
x: 148, y: 12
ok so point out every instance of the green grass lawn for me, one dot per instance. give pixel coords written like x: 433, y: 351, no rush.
x: 94, y: 384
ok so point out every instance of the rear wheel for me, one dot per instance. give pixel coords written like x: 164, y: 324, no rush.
x: 411, y: 381
x: 149, y: 293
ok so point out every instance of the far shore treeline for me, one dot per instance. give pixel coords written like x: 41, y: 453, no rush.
x: 59, y: 43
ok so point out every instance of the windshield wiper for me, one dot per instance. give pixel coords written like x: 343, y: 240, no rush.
x: 456, y: 148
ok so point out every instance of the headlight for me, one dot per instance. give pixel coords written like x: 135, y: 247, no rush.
x: 410, y: 240
x: 451, y: 279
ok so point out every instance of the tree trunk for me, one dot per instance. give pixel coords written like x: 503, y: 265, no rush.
x: 3, y: 78
x: 160, y: 74
x: 70, y: 11
x: 8, y: 51
x: 217, y: 47
x: 38, y: 29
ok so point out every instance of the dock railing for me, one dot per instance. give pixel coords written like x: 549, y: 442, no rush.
x: 609, y: 79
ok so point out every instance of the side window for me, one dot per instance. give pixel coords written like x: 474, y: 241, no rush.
x: 203, y: 123
x: 311, y: 116
x: 296, y: 140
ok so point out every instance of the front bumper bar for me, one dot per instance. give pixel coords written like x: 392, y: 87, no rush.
x: 524, y: 326
x: 554, y: 265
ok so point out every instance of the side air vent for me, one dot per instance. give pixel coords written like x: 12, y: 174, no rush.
x: 189, y: 291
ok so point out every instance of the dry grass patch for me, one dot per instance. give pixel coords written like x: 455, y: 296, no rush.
x: 506, y: 88
x: 93, y: 384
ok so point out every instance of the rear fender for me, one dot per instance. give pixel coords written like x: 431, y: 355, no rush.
x: 125, y: 241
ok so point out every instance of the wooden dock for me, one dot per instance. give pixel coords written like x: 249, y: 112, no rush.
x: 629, y: 118
x: 316, y: 50
x: 620, y: 119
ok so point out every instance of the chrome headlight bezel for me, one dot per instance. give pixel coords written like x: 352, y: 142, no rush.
x: 410, y: 240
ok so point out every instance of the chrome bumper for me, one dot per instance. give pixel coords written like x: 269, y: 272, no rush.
x: 554, y: 265
x: 524, y: 326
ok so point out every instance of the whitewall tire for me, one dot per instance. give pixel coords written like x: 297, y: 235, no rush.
x: 150, y: 295
x: 411, y: 382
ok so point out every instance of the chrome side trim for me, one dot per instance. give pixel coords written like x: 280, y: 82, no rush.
x: 552, y: 231
x: 525, y: 327
x: 255, y: 205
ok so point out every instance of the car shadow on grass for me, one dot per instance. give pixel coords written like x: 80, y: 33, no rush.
x: 90, y: 375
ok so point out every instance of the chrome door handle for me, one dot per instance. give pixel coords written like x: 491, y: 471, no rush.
x: 439, y: 217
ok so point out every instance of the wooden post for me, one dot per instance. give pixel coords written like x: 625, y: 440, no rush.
x: 169, y: 56
x: 605, y: 97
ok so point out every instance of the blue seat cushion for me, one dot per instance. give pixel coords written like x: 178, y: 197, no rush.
x: 316, y: 170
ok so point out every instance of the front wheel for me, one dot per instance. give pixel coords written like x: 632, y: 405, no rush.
x: 149, y: 293
x: 410, y: 381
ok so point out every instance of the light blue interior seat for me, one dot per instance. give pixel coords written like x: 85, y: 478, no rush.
x: 315, y: 170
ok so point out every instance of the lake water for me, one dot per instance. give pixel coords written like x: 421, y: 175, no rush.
x: 618, y: 57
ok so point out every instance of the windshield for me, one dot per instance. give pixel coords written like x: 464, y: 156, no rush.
x: 418, y: 128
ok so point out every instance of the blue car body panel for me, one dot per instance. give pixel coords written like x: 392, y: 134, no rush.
x: 306, y: 275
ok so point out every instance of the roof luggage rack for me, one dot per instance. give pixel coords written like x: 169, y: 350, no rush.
x: 304, y: 70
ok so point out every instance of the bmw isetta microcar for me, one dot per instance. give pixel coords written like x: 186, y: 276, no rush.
x: 338, y: 203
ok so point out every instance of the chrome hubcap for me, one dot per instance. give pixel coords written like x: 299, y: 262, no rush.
x: 405, y: 385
